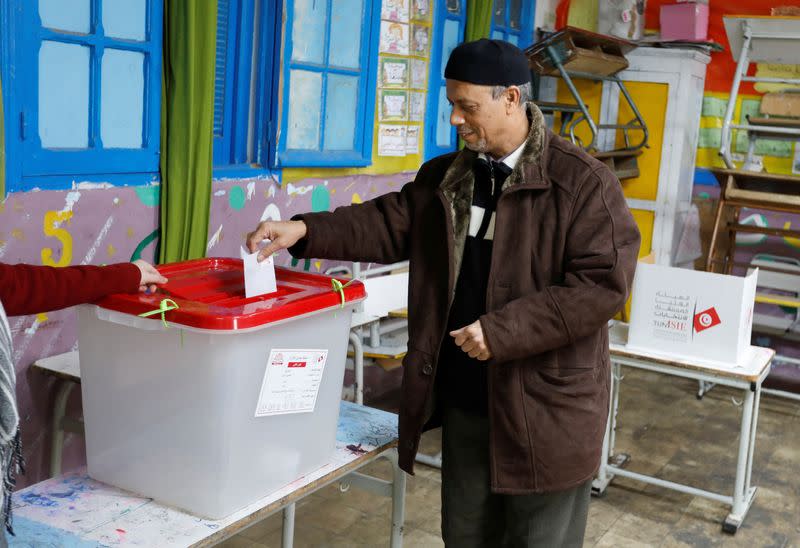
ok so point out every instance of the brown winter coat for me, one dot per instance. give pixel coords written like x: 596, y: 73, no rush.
x: 563, y: 259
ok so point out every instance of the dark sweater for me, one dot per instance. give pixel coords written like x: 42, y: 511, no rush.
x: 461, y: 380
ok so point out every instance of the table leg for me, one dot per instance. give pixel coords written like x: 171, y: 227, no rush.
x: 742, y: 493
x: 59, y: 412
x: 287, y: 538
x: 358, y: 367
x: 434, y: 461
x: 753, y: 426
x: 603, y: 477
x: 398, y: 500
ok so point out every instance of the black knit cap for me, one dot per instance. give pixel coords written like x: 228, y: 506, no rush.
x: 488, y: 63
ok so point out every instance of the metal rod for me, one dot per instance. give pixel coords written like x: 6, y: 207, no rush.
x: 767, y: 129
x: 616, y: 380
x: 386, y: 268
x: 739, y: 491
x: 602, y: 474
x: 741, y: 70
x: 398, y: 500
x: 753, y: 426
x: 670, y: 485
x: 568, y: 81
x: 434, y: 461
x: 358, y: 367
x: 635, y: 110
x: 287, y: 539
x: 781, y: 394
x: 771, y: 80
x: 775, y: 36
x: 59, y: 411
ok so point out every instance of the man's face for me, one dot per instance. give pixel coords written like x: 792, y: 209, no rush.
x: 478, y: 119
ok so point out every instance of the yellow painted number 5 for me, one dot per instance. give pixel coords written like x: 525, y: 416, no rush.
x: 51, y: 228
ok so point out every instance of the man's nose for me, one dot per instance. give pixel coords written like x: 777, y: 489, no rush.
x: 456, y: 119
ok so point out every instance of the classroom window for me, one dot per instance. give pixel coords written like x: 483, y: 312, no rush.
x: 449, y: 22
x: 328, y: 83
x: 512, y: 21
x: 82, y: 91
x: 243, y: 82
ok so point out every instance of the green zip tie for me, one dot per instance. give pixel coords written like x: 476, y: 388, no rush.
x: 163, y: 307
x: 338, y: 287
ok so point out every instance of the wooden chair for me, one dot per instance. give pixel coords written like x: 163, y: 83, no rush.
x: 747, y: 189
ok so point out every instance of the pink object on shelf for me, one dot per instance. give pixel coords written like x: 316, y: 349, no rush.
x: 685, y: 21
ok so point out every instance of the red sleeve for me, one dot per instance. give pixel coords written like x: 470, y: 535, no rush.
x: 28, y: 289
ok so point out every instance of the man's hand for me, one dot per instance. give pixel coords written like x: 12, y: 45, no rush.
x: 281, y: 234
x: 470, y: 340
x: 150, y: 276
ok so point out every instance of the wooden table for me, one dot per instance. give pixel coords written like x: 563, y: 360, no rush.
x: 747, y: 378
x: 74, y: 510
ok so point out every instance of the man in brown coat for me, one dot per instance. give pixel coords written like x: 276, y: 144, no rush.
x: 521, y: 248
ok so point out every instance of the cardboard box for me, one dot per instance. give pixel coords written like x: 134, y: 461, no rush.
x: 686, y: 21
x: 781, y: 103
x: 690, y: 314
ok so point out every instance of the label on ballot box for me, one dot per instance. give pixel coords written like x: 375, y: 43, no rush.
x: 291, y: 382
x: 690, y: 314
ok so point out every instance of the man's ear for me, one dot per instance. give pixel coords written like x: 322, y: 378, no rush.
x: 511, y: 98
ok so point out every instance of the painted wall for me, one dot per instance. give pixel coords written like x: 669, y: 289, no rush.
x: 107, y: 225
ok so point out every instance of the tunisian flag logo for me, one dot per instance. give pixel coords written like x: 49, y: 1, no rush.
x: 706, y: 319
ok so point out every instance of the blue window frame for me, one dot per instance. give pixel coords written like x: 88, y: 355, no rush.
x: 328, y: 83
x: 82, y: 91
x: 244, y: 83
x: 512, y: 21
x: 450, y: 19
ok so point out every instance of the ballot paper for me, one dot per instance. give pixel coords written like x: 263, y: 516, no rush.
x: 259, y: 277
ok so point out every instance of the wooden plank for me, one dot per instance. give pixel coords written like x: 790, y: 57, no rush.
x: 793, y: 123
x: 780, y: 300
x: 745, y: 176
x: 765, y: 199
x: 399, y: 313
x: 601, y: 154
x: 546, y: 106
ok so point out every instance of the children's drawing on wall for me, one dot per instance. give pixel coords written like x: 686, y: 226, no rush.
x: 395, y: 10
x: 412, y: 139
x: 394, y: 38
x: 419, y: 73
x: 391, y: 140
x: 393, y: 73
x: 394, y: 105
x: 416, y: 106
x: 420, y: 10
x: 420, y: 40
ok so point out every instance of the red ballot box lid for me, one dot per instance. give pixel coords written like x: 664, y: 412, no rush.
x: 209, y: 294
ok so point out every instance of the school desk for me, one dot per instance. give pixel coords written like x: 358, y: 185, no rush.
x: 74, y: 510
x: 747, y: 378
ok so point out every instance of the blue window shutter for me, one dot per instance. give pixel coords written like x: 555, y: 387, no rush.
x: 47, y: 160
x: 220, y: 74
x: 448, y: 28
x: 324, y: 75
